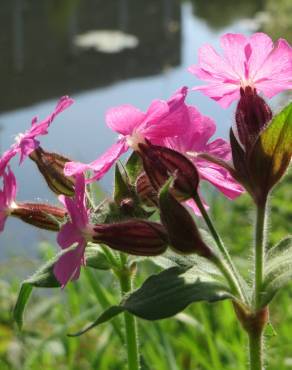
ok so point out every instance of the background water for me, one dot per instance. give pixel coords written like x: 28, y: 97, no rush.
x: 137, y: 51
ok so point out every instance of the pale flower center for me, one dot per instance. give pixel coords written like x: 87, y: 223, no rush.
x: 19, y: 137
x: 135, y: 139
x: 192, y: 154
x: 246, y: 82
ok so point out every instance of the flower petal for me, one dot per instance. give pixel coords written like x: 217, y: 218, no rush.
x: 275, y: 75
x: 68, y: 266
x: 68, y: 235
x: 101, y: 165
x: 221, y: 179
x: 124, y: 119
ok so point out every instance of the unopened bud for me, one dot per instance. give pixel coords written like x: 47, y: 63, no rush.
x: 161, y: 163
x: 127, y: 205
x: 182, y: 231
x: 51, y: 166
x: 252, y: 115
x: 145, y: 190
x: 43, y: 216
x: 142, y: 238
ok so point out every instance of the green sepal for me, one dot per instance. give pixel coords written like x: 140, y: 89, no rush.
x: 134, y: 167
x: 271, y: 154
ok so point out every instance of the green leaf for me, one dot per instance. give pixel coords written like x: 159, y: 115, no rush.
x: 272, y: 151
x: 22, y: 299
x: 278, y: 271
x: 104, y: 317
x: 172, y: 290
x: 166, y: 294
x: 172, y: 259
x: 134, y: 167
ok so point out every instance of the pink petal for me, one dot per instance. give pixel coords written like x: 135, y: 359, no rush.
x: 275, y: 74
x: 41, y: 128
x: 26, y: 147
x: 223, y: 93
x: 261, y: 45
x: 6, y: 157
x: 9, y: 187
x: 151, y: 125
x: 124, y: 119
x: 219, y: 148
x: 221, y: 179
x: 68, y: 266
x: 101, y: 165
x: 167, y: 119
x: 68, y: 235
x: 214, y: 65
x: 233, y: 46
x: 3, y: 217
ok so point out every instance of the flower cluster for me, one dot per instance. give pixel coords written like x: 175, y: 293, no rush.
x: 172, y: 144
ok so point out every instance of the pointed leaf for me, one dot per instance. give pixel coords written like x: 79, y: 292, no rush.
x: 22, y: 299
x: 169, y: 292
x: 166, y: 294
x: 104, y: 317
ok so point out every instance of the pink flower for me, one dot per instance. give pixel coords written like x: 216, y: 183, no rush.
x: 196, y: 141
x: 77, y: 230
x: 26, y: 143
x: 7, y: 196
x: 162, y: 119
x: 246, y: 61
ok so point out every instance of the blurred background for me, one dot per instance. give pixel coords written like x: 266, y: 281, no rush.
x: 107, y: 53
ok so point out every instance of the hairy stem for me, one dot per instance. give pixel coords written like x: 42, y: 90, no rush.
x: 130, y: 321
x: 256, y: 351
x: 259, y: 253
x: 231, y: 273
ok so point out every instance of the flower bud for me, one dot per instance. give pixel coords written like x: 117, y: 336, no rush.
x: 43, y: 216
x: 252, y: 115
x: 182, y: 231
x: 161, y: 163
x: 145, y: 190
x: 51, y: 166
x: 141, y: 238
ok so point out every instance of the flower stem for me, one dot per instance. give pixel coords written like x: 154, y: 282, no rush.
x: 130, y: 321
x: 259, y: 253
x: 231, y: 271
x: 255, y: 351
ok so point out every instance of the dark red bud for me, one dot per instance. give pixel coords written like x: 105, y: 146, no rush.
x: 183, y: 233
x: 161, y: 163
x: 141, y: 238
x: 252, y: 115
x: 145, y: 190
x: 51, y: 166
x: 43, y: 216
